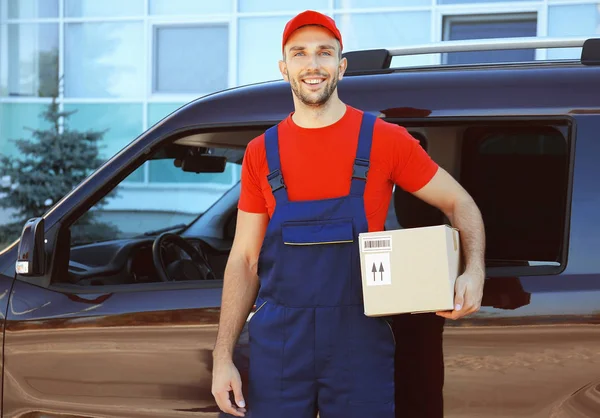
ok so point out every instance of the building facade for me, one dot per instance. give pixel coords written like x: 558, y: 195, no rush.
x: 125, y: 64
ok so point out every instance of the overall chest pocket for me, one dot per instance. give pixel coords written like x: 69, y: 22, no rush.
x: 339, y: 231
x: 318, y: 258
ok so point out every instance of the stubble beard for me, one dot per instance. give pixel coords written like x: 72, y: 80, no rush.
x: 309, y: 99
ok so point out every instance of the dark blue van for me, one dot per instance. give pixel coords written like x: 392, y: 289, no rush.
x: 124, y: 326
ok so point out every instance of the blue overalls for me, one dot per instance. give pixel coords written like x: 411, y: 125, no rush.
x: 311, y: 346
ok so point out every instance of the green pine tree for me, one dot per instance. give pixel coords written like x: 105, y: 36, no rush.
x: 49, y: 165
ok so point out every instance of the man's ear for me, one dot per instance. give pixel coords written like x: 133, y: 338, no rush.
x: 343, y: 65
x: 283, y: 70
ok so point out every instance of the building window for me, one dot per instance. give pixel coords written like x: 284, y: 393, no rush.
x: 32, y: 9
x: 485, y: 27
x: 189, y: 7
x: 104, y: 59
x: 191, y: 58
x: 29, y: 53
x: 387, y: 30
x: 472, y: 1
x: 572, y: 20
x: 104, y: 8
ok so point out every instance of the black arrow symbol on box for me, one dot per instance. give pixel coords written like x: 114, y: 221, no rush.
x: 381, y: 270
x: 374, y: 270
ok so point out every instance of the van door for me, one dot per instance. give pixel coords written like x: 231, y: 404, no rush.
x: 107, y: 337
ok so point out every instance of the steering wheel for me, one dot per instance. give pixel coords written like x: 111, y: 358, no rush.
x: 197, y: 268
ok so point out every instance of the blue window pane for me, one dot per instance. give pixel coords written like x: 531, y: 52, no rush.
x: 122, y: 122
x: 189, y: 7
x: 29, y: 53
x: 572, y: 20
x: 474, y: 1
x: 386, y: 30
x: 368, y: 4
x: 104, y: 59
x: 15, y: 121
x: 259, y: 63
x: 278, y: 6
x: 32, y: 9
x: 104, y: 8
x: 380, y: 30
x: 486, y: 29
x: 200, y: 67
x: 157, y: 111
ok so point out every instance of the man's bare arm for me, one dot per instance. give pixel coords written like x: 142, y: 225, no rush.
x: 445, y: 193
x: 240, y: 284
x: 240, y: 288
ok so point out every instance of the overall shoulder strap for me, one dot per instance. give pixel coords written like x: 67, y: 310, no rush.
x: 274, y: 177
x: 363, y: 154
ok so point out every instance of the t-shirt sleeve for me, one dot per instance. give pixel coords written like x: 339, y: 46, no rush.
x: 252, y: 198
x: 413, y: 168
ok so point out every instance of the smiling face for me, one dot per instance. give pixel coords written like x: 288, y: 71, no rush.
x: 312, y: 64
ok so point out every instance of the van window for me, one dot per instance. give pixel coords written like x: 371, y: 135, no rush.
x: 518, y: 176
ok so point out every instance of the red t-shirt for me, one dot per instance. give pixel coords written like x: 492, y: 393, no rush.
x: 317, y: 164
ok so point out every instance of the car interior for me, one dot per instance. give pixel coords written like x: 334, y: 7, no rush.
x: 493, y: 160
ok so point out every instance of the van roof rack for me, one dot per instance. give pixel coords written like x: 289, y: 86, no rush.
x: 379, y: 60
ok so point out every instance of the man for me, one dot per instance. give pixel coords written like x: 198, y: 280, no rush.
x: 306, y: 195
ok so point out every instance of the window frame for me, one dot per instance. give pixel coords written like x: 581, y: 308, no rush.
x: 570, y: 127
x: 100, y: 183
x: 460, y: 12
x: 472, y: 149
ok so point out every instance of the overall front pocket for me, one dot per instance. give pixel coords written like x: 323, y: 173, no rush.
x: 337, y: 231
x: 317, y: 262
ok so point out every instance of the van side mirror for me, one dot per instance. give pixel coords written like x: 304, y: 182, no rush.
x: 31, y: 252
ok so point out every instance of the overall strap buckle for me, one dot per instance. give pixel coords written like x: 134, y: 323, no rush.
x: 361, y: 169
x: 275, y: 179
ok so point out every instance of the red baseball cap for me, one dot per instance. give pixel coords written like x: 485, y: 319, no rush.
x: 310, y: 17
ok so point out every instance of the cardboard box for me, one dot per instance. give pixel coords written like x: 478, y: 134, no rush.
x: 409, y: 270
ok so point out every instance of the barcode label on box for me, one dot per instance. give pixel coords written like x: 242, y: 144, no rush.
x: 382, y: 243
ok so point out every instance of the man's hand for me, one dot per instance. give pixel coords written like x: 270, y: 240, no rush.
x: 468, y: 292
x: 226, y: 379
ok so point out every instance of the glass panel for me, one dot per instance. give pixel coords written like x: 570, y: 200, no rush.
x: 16, y: 120
x: 369, y: 4
x: 476, y: 1
x: 259, y: 62
x: 387, y: 30
x: 187, y: 7
x: 157, y: 111
x: 278, y: 6
x: 182, y: 70
x: 561, y: 23
x: 29, y: 56
x: 122, y: 123
x: 32, y: 9
x: 104, y: 59
x: 482, y: 28
x: 95, y: 8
